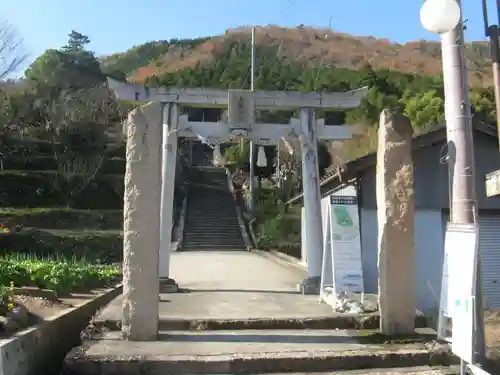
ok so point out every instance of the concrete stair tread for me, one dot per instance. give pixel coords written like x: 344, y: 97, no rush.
x: 214, y: 232
x: 212, y: 243
x: 419, y: 370
x: 181, y: 352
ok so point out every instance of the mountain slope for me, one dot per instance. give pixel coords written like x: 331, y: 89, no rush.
x: 306, y: 45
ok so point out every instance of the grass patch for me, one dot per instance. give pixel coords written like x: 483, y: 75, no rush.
x: 102, y: 247
x: 62, y: 218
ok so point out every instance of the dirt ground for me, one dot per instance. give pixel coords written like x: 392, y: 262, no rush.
x: 41, y: 307
x: 34, y: 310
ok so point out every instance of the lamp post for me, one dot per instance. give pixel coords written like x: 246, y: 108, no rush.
x: 444, y: 17
x: 251, y: 182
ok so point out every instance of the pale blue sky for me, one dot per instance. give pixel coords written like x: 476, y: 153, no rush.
x: 116, y: 25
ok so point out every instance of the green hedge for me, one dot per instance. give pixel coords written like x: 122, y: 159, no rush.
x: 63, y: 218
x: 114, y: 165
x: 98, y: 247
x: 40, y: 189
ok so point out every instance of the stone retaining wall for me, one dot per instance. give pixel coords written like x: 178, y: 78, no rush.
x: 40, y: 350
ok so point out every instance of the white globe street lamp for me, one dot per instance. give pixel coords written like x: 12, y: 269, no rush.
x: 443, y: 17
x: 440, y: 16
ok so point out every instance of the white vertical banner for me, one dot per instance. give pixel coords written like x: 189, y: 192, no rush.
x: 342, y: 263
x: 346, y: 244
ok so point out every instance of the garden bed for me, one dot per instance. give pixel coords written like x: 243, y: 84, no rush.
x: 115, y: 165
x: 61, y: 218
x: 51, y: 189
x: 103, y: 247
x: 34, y: 289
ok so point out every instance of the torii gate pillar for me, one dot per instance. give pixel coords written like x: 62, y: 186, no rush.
x: 170, y: 122
x: 312, y: 202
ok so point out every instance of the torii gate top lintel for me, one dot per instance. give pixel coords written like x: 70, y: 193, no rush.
x: 203, y: 97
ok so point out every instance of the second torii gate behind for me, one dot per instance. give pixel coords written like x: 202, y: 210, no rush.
x: 241, y: 105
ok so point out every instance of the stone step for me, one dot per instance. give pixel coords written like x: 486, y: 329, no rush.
x: 211, y: 232
x: 226, y: 211
x: 203, y: 247
x: 212, y: 203
x: 216, y: 220
x: 223, y: 206
x: 208, y: 225
x: 213, y: 220
x: 194, y: 230
x: 212, y: 243
x: 220, y: 204
x: 206, y: 237
x: 213, y: 246
x: 212, y: 237
x: 225, y: 352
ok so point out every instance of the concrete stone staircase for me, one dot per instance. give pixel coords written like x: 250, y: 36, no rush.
x: 211, y: 221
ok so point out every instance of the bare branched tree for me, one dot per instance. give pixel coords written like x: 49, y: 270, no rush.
x: 11, y: 55
x: 79, y: 122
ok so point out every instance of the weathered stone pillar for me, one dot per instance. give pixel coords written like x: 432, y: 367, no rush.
x: 142, y: 224
x: 395, y: 209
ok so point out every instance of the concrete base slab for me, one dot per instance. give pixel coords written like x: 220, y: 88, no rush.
x: 311, y: 285
x: 216, y: 310
x: 225, y: 352
x: 420, y: 370
x: 168, y: 285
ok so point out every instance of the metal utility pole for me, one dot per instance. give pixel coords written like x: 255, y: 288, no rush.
x: 251, y: 183
x: 461, y: 149
x: 493, y: 32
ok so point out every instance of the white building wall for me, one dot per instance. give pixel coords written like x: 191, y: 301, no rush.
x: 429, y: 248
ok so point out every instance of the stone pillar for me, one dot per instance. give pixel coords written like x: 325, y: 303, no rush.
x: 170, y: 119
x: 142, y: 224
x: 395, y: 211
x: 312, y: 202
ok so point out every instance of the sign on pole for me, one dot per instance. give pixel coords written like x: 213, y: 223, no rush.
x: 492, y: 182
x: 342, y: 263
x: 444, y: 331
x: 458, y: 287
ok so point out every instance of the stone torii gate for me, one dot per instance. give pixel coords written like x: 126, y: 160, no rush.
x: 153, y: 130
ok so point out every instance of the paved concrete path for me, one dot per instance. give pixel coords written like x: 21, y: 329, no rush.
x: 232, y: 286
x: 238, y: 287
x: 238, y: 270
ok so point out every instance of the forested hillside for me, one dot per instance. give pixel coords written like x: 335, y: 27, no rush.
x: 306, y: 45
x: 405, y: 77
